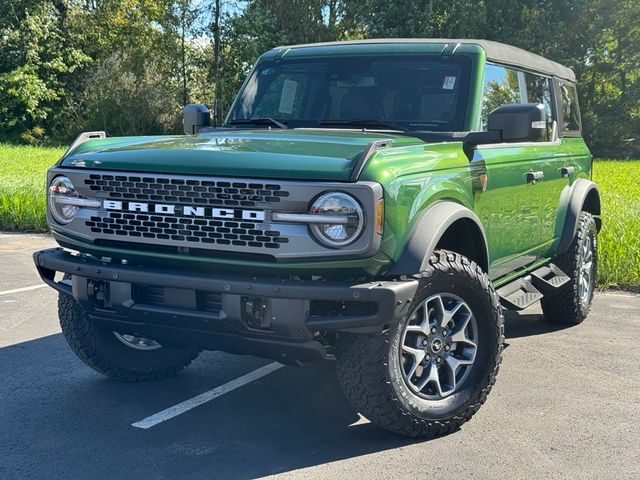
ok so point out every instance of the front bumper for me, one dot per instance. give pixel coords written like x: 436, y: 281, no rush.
x: 267, y: 317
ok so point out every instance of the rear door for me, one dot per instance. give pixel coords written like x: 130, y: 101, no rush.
x: 565, y: 158
x: 557, y: 164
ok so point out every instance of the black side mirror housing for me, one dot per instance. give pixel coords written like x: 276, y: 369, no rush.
x: 194, y: 117
x: 519, y: 122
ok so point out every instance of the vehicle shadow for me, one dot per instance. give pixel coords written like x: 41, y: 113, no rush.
x: 517, y: 325
x: 289, y: 420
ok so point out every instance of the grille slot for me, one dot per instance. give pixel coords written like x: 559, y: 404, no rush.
x: 180, y: 229
x: 209, y: 301
x: 149, y: 294
x: 154, y: 295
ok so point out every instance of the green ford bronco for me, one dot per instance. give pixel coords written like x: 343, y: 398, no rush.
x: 378, y: 202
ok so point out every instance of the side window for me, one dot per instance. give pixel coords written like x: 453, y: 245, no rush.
x: 501, y: 87
x: 504, y: 85
x: 569, y: 106
x: 539, y: 91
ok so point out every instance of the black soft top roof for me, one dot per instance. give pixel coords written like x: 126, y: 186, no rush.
x: 496, y: 52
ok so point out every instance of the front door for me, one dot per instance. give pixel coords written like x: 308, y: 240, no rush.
x: 508, y: 204
x: 507, y: 200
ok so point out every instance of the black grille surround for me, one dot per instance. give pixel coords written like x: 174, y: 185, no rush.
x: 203, y: 215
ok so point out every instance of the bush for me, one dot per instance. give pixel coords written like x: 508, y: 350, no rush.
x: 128, y: 96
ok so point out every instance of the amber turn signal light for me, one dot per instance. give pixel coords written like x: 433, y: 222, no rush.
x: 379, y: 216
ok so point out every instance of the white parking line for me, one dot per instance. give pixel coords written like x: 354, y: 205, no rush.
x: 205, y: 397
x: 23, y: 289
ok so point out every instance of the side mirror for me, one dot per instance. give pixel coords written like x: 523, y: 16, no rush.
x: 519, y: 122
x: 194, y: 117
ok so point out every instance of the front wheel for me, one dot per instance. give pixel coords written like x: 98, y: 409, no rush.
x: 428, y: 374
x: 125, y: 357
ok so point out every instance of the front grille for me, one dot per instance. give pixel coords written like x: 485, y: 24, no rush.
x: 198, y: 216
x: 179, y: 229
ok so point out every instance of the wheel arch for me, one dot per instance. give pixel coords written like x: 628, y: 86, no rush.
x: 443, y: 225
x: 585, y: 196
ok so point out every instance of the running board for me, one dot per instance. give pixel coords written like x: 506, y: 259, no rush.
x: 519, y: 294
x: 548, y: 278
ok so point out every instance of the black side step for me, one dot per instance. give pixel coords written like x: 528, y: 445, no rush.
x: 548, y: 278
x: 519, y: 294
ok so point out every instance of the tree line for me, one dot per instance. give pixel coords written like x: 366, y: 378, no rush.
x: 128, y: 66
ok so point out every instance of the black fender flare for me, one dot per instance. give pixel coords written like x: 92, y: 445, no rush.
x: 427, y: 231
x: 584, y: 193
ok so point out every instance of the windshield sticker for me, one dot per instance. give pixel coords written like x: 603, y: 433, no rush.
x: 288, y: 96
x: 449, y: 83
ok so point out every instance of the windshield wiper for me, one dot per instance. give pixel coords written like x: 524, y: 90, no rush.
x: 258, y: 121
x: 365, y: 123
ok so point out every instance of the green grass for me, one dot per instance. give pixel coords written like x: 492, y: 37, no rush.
x: 22, y: 186
x: 619, y: 247
x: 22, y: 206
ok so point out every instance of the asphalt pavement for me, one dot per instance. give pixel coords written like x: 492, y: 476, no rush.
x: 566, y: 405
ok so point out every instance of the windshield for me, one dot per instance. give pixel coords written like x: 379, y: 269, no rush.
x: 416, y: 92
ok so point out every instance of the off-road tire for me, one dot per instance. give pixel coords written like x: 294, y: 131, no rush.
x: 101, y: 350
x: 564, y: 305
x: 369, y: 370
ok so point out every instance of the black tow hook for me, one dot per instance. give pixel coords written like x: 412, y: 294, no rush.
x: 256, y: 312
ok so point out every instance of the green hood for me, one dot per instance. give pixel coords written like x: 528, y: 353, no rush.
x: 286, y: 154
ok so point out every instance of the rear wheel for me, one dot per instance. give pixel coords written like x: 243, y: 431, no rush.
x: 571, y: 303
x: 122, y: 356
x: 428, y: 374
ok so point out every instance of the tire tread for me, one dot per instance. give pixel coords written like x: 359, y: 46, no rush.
x: 82, y: 337
x: 362, y: 374
x: 563, y: 305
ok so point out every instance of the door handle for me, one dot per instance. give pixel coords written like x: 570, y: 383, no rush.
x: 566, y: 171
x: 533, y: 177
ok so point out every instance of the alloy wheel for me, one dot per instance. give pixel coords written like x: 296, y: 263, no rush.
x: 439, y: 346
x: 585, y: 279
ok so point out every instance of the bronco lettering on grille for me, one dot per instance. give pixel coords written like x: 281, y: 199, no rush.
x: 186, y: 210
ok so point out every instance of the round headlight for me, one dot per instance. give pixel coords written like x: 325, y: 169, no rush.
x: 60, y: 189
x: 347, y: 219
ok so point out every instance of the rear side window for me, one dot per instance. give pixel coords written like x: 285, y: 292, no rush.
x: 539, y: 91
x: 569, y: 108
